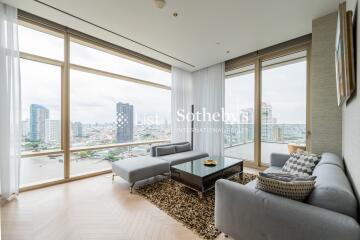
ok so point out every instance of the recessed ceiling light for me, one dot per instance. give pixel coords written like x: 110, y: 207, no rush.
x: 227, y: 51
x: 175, y: 14
x: 217, y: 43
x: 160, y: 3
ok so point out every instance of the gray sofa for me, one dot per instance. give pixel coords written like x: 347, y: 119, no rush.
x: 329, y: 213
x: 140, y: 168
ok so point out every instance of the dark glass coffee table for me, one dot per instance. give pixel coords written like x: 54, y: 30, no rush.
x: 197, y: 176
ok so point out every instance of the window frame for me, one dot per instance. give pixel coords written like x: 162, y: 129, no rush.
x: 66, y: 66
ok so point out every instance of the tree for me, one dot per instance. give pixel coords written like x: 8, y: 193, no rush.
x: 86, y: 154
x: 111, y: 156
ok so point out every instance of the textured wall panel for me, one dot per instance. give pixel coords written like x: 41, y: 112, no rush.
x: 325, y: 114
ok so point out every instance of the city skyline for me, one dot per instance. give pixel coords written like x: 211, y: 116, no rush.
x: 41, y: 128
x: 246, y: 114
x: 242, y: 132
x: 45, y: 133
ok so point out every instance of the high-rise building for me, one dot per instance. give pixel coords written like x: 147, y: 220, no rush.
x: 266, y: 121
x: 250, y: 124
x: 124, y: 122
x: 77, y: 129
x: 25, y: 128
x: 277, y: 134
x: 52, y: 131
x: 38, y: 116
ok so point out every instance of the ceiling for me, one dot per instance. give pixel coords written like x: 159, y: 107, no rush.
x: 204, y: 33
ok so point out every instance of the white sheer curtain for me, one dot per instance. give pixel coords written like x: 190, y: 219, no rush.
x: 9, y: 102
x: 209, y: 91
x: 181, y: 100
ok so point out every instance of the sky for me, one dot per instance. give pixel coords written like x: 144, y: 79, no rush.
x: 93, y: 98
x: 283, y: 87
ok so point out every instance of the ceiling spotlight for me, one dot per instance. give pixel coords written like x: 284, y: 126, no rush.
x: 227, y: 51
x: 160, y: 3
x: 217, y: 43
x: 175, y: 14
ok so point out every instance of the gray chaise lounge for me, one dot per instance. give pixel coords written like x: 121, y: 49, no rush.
x: 139, y: 168
x: 158, y: 163
x: 330, y: 212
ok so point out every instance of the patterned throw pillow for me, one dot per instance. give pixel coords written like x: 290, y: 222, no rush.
x: 301, y: 163
x: 296, y: 190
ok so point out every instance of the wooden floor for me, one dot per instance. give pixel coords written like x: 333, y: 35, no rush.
x: 93, y: 208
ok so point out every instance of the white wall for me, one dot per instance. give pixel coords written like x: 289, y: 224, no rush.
x: 351, y: 122
x: 350, y: 4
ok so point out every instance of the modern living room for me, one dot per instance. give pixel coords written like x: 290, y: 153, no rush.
x: 165, y: 119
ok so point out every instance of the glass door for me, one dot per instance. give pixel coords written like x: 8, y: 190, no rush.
x: 283, y: 104
x: 239, y: 112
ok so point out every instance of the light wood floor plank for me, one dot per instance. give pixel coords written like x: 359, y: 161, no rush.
x: 89, y: 209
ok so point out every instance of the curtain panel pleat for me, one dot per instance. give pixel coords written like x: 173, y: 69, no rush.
x: 10, y: 104
x: 209, y: 100
x: 181, y: 101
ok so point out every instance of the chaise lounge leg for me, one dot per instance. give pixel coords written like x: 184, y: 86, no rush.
x: 226, y: 235
x: 113, y: 176
x: 132, y: 187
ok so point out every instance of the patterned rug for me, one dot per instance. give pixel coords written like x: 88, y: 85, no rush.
x: 185, y: 206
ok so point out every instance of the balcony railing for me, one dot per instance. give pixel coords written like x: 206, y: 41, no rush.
x: 89, y: 148
x: 238, y: 134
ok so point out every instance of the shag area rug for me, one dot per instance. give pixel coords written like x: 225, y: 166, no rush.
x: 185, y: 206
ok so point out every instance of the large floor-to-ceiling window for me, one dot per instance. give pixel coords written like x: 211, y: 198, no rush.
x: 269, y: 98
x: 85, y: 105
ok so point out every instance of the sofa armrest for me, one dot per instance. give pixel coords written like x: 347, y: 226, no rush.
x: 250, y: 214
x: 278, y: 159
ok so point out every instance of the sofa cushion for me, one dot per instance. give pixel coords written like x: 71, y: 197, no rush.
x: 183, y: 147
x: 182, y: 157
x: 165, y: 150
x: 333, y: 190
x: 278, y: 159
x: 301, y: 163
x: 331, y: 158
x: 153, y: 148
x: 252, y: 184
